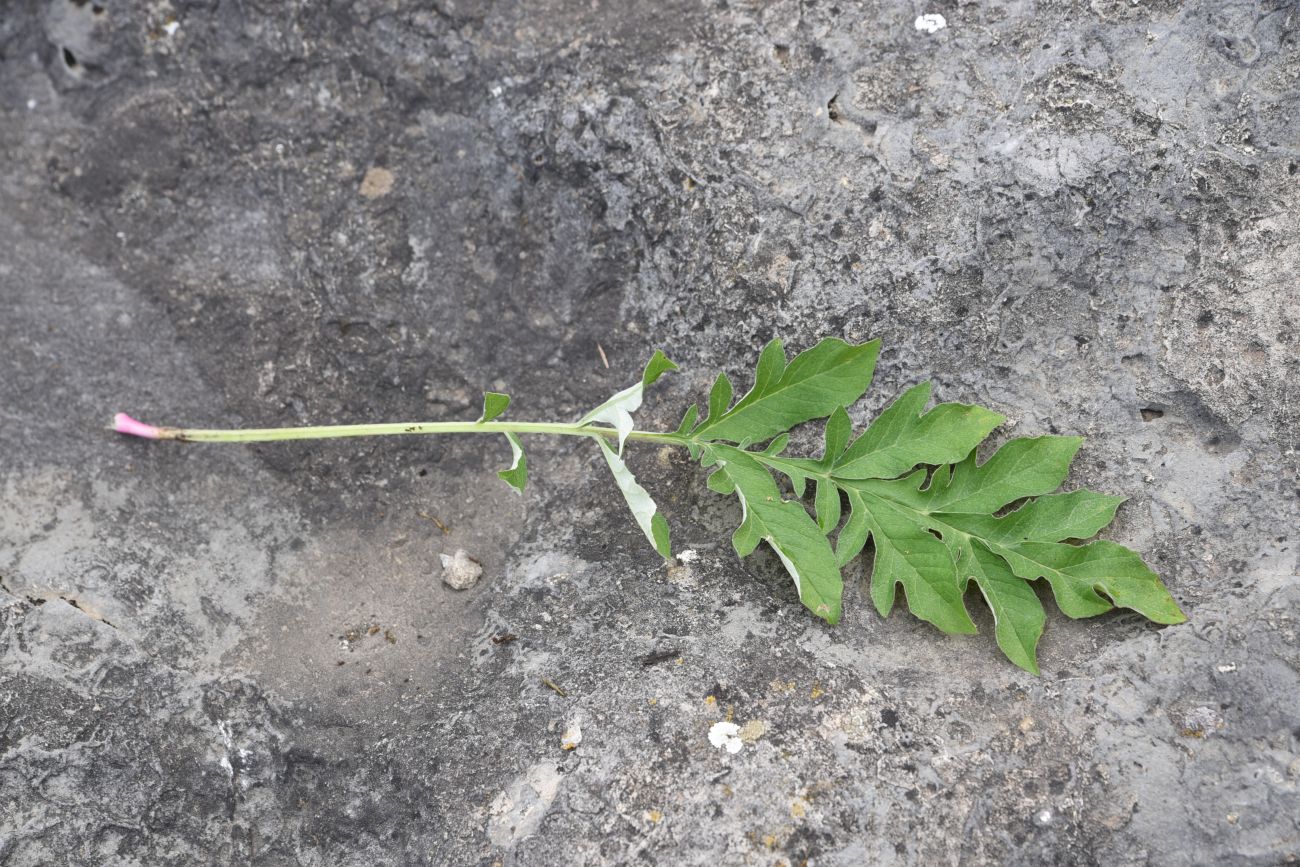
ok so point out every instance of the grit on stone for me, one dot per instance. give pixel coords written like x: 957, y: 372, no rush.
x: 1084, y: 214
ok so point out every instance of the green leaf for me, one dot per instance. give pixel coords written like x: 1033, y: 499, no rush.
x: 939, y: 521
x: 907, y: 553
x: 902, y: 437
x: 1018, y: 616
x: 720, y: 483
x: 1079, y: 575
x: 998, y: 526
x: 657, y: 366
x: 494, y: 403
x: 719, y: 396
x: 617, y: 411
x: 856, y: 530
x: 644, y: 511
x: 1021, y: 468
x: 688, y: 420
x: 831, y: 375
x: 777, y: 445
x: 786, y: 527
x: 1050, y: 518
x: 906, y: 517
x: 516, y: 475
x: 838, y: 430
x: 827, y: 505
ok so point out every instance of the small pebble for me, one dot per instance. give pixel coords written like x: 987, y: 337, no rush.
x: 460, y: 571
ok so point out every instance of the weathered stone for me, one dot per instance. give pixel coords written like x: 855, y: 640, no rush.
x: 1082, y: 214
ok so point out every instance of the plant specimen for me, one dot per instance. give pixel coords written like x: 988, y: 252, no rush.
x: 937, y: 519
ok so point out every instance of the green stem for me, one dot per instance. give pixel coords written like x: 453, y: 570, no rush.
x: 320, y: 432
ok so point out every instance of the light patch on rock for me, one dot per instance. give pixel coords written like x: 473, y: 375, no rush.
x: 1201, y: 722
x: 753, y: 730
x: 518, y: 810
x: 931, y: 23
x: 460, y: 571
x: 228, y: 742
x: 377, y: 182
x: 726, y: 736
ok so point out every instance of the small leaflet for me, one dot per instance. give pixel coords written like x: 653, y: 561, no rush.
x: 494, y: 403
x: 831, y: 375
x: 617, y: 411
x: 516, y: 475
x: 643, y: 507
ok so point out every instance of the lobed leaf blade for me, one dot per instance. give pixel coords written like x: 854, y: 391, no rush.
x: 934, y: 532
x: 1000, y: 554
x: 830, y: 375
x: 1018, y: 616
x: 1025, y: 467
x: 902, y: 436
x: 907, y: 553
x: 801, y: 546
x: 1048, y: 518
x: 1079, y: 575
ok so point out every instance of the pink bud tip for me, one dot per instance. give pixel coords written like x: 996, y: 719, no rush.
x: 123, y: 423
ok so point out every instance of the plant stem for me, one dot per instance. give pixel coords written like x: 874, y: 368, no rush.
x: 321, y: 432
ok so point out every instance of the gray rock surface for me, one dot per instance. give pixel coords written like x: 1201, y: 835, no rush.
x: 1082, y: 214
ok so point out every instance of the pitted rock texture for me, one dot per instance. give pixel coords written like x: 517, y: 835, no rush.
x: 1081, y: 214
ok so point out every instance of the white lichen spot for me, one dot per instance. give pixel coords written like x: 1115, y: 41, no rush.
x: 460, y: 571
x: 932, y: 22
x: 726, y: 736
